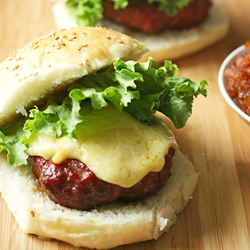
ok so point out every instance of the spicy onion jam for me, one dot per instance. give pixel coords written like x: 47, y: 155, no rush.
x: 237, y: 76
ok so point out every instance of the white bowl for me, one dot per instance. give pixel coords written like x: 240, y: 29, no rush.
x: 221, y: 80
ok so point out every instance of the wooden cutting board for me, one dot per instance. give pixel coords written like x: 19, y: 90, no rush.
x: 215, y: 139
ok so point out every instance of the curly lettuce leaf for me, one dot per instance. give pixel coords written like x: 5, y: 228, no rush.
x: 139, y: 89
x: 86, y: 12
x: 89, y: 12
x: 11, y: 141
x: 120, y: 4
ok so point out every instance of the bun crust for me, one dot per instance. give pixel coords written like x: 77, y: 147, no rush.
x: 169, y: 44
x: 105, y: 227
x: 53, y: 62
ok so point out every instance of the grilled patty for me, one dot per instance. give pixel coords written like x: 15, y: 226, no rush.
x: 146, y: 17
x: 72, y: 184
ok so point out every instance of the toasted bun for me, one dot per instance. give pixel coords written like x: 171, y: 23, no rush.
x: 105, y: 227
x: 53, y: 62
x: 166, y: 45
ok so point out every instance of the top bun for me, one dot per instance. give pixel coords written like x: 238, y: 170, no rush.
x: 53, y: 62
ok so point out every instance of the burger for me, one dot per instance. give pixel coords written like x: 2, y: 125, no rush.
x: 85, y: 157
x: 170, y: 29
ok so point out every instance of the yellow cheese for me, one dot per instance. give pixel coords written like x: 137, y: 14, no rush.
x: 117, y: 148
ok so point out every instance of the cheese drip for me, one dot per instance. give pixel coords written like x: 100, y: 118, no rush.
x: 112, y: 144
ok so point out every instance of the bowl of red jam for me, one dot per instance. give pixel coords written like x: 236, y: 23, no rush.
x: 234, y: 80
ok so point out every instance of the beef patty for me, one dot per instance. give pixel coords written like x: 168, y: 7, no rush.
x: 146, y: 17
x: 72, y: 184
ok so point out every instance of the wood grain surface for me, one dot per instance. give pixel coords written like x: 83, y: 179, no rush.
x: 215, y: 139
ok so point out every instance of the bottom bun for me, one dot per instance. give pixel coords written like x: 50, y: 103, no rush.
x: 166, y: 45
x: 105, y: 227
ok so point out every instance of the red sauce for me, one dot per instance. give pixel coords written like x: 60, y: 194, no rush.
x: 238, y: 80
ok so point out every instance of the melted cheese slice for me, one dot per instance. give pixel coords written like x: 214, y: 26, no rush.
x: 115, y: 147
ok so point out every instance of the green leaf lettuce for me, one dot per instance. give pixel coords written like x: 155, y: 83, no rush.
x: 139, y: 89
